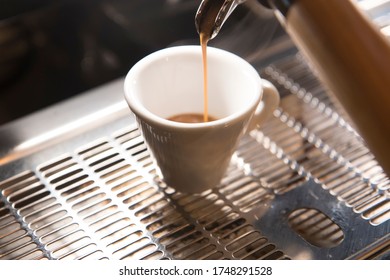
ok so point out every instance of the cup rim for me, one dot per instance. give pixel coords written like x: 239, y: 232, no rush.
x: 139, y: 110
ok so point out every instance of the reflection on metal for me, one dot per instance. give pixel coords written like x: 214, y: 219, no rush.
x: 315, y: 227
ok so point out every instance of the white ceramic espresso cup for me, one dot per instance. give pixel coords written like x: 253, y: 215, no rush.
x: 193, y: 157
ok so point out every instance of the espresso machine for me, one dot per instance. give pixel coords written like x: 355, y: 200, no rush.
x: 77, y: 180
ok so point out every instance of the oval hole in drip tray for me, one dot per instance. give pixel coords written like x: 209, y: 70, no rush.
x: 315, y: 227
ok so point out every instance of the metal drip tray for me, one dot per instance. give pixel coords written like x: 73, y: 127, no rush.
x: 85, y: 187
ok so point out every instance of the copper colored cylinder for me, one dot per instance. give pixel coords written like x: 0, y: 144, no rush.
x: 352, y: 58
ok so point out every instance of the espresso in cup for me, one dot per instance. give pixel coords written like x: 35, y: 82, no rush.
x: 191, y: 118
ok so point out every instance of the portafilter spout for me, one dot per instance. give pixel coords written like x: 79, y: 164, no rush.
x: 212, y: 14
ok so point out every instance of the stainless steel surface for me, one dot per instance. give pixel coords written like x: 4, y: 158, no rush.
x: 62, y: 121
x: 77, y: 182
x: 305, y: 187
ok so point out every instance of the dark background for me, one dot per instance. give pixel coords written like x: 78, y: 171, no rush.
x: 52, y: 50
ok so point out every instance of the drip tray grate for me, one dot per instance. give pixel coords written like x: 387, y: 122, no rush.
x: 304, y: 187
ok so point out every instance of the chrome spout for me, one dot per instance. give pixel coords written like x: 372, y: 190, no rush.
x: 212, y: 14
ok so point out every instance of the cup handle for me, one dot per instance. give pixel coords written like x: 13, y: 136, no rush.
x: 266, y: 107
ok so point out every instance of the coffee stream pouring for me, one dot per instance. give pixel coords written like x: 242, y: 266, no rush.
x: 349, y: 53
